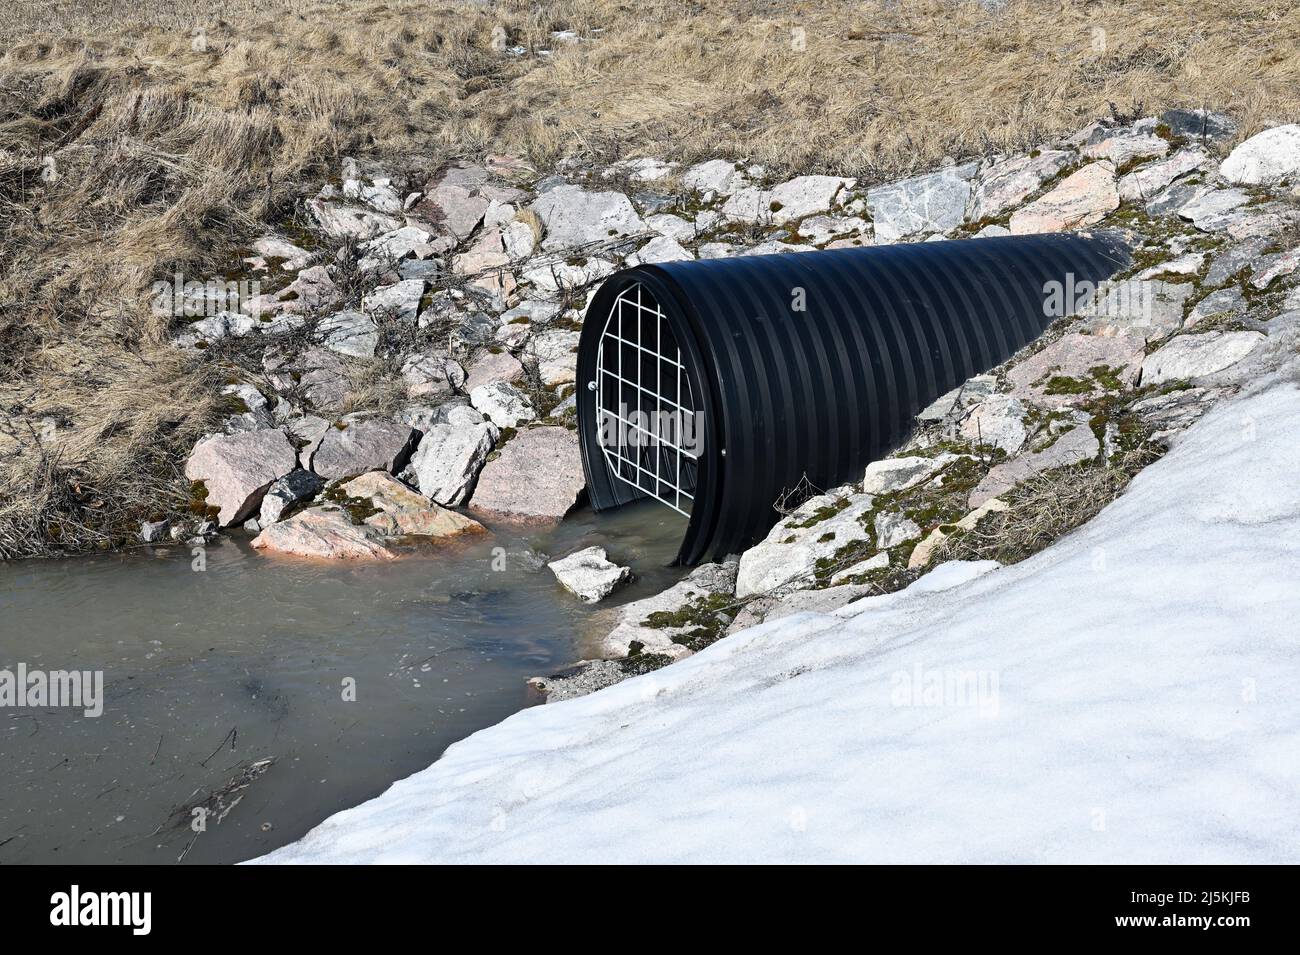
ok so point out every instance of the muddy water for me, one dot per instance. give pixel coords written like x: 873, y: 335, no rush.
x: 207, y: 673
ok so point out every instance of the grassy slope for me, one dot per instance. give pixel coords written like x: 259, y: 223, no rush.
x: 170, y: 157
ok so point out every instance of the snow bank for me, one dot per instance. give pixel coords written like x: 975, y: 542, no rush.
x: 1130, y: 695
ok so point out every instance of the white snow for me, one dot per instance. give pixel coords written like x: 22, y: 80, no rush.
x: 1132, y: 694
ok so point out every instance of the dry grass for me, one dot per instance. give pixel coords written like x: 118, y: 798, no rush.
x: 171, y: 154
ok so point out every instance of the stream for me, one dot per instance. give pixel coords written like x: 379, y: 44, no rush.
x: 210, y: 673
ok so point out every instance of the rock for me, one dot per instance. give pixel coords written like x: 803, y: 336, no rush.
x: 377, y: 195
x: 1233, y: 260
x: 716, y: 175
x: 863, y: 567
x: 361, y: 446
x: 822, y: 229
x: 1194, y: 356
x: 237, y: 469
x: 327, y: 533
x: 408, y: 242
x: 491, y: 368
x: 344, y: 221
x: 998, y: 421
x: 555, y: 353
x: 1265, y: 158
x: 214, y: 328
x: 451, y: 454
x: 659, y: 249
x: 1228, y: 301
x: 1137, y: 307
x: 349, y: 333
x: 453, y: 202
x: 802, y: 196
x: 787, y: 558
x: 1124, y: 148
x: 400, y: 301
x: 1074, y: 446
x: 1209, y: 210
x: 255, y: 413
x: 503, y: 403
x: 153, y: 531
x: 432, y: 375
x: 1142, y: 184
x: 699, y: 586
x: 573, y: 216
x: 537, y: 476
x: 531, y: 311
x: 312, y: 291
x: 966, y: 395
x: 581, y: 679
x: 555, y: 276
x: 930, y: 203
x: 1174, y: 410
x: 1082, y: 199
x: 297, y: 485
x: 403, y: 511
x: 1172, y: 198
x: 894, y: 528
x: 1199, y: 124
x: 589, y: 575
x: 671, y: 226
x: 486, y: 260
x: 1073, y: 357
x: 890, y: 475
x: 1006, y: 184
x: 1275, y: 266
x: 1184, y: 265
x: 274, y: 247
x: 923, y: 552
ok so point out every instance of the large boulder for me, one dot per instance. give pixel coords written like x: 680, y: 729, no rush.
x: 1266, y: 158
x: 1074, y: 367
x: 931, y: 203
x: 237, y: 469
x: 1082, y: 199
x: 589, y: 574
x: 402, y: 511
x: 654, y: 622
x: 1188, y: 357
x: 536, y: 477
x: 359, y: 446
x: 1006, y: 184
x: 998, y: 421
x: 1144, y: 183
x: 573, y: 216
x: 451, y: 454
x: 327, y: 533
x: 503, y: 403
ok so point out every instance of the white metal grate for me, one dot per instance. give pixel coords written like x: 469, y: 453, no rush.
x: 645, y: 412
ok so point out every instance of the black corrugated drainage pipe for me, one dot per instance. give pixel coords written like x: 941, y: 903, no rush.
x: 714, y: 386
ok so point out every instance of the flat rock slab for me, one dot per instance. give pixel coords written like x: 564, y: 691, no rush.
x: 238, y: 468
x: 1076, y: 445
x: 361, y: 446
x: 324, y: 533
x: 1006, y: 184
x: 1082, y: 199
x: 1194, y: 356
x: 1144, y: 307
x: 1145, y: 183
x: 589, y: 574
x: 931, y: 203
x: 1074, y: 357
x: 787, y: 559
x: 898, y: 474
x: 537, y: 476
x: 998, y: 421
x: 704, y: 581
x: 1266, y: 158
x: 403, y: 511
x: 573, y: 216
x: 795, y: 199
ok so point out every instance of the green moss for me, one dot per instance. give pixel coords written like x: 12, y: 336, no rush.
x: 198, y: 503
x: 1064, y: 385
x: 823, y: 513
x: 358, y: 509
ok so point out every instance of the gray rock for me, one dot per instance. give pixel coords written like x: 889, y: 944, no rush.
x: 360, y: 446
x: 555, y: 354
x: 787, y: 202
x: 889, y: 475
x: 349, y: 333
x: 872, y: 564
x: 503, y: 403
x: 1199, y: 124
x: 659, y: 249
x: 589, y: 575
x: 1233, y: 260
x: 451, y: 454
x: 1174, y: 410
x: 432, y: 375
x: 998, y: 421
x: 966, y: 395
x: 1141, y: 307
x: 1073, y: 447
x: 786, y: 560
x: 1209, y: 210
x: 674, y: 227
x: 401, y: 300
x: 237, y: 469
x: 1123, y: 147
x: 491, y: 368
x: 1006, y: 184
x: 1228, y: 301
x: 894, y: 528
x: 930, y: 203
x: 297, y: 485
x: 715, y: 175
x: 1188, y: 357
x: 1272, y: 267
x: 705, y: 581
x: 582, y: 678
x: 1268, y: 157
x: 1075, y: 356
x: 1144, y: 183
x: 153, y: 531
x: 1172, y: 198
x: 345, y: 221
x: 574, y: 217
x: 537, y: 476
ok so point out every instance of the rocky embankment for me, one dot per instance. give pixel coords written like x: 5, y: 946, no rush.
x: 409, y: 359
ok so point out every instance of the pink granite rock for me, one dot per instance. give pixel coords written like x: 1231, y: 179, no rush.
x: 238, y: 468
